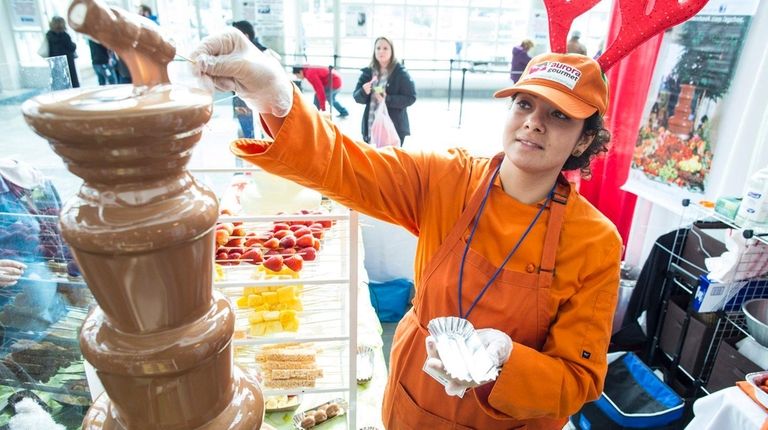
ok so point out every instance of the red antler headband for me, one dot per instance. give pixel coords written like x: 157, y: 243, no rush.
x: 638, y: 23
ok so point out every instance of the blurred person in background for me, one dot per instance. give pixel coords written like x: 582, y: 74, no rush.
x: 520, y: 59
x: 60, y: 43
x: 146, y: 12
x: 385, y: 80
x: 10, y: 272
x: 32, y: 251
x: 574, y: 45
x: 102, y: 63
x: 323, y: 81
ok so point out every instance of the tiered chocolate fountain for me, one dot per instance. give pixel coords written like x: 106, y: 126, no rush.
x: 141, y: 229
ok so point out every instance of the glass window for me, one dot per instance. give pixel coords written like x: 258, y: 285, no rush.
x: 452, y: 23
x: 420, y: 22
x: 482, y: 24
x: 388, y: 21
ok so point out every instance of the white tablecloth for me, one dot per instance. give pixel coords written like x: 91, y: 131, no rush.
x: 729, y: 408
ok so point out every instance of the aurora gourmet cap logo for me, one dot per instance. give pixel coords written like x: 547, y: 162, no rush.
x: 556, y: 72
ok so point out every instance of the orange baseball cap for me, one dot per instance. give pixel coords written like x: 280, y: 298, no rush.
x: 572, y: 82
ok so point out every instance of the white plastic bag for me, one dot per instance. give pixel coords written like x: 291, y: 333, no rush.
x: 44, y: 49
x: 383, y: 131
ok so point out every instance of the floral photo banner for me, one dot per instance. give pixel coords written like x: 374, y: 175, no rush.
x: 676, y: 141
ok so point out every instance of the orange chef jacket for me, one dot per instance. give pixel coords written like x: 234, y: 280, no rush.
x: 550, y: 374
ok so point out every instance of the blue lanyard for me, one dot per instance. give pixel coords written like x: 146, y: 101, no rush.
x: 511, y: 253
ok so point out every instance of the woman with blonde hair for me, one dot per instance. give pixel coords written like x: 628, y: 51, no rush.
x: 385, y: 80
x: 520, y: 59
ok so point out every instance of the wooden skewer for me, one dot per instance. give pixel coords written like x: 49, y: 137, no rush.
x: 185, y: 58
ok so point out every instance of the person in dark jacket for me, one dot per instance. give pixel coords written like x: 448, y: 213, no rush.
x: 520, y: 59
x: 100, y: 59
x: 385, y: 80
x: 59, y: 43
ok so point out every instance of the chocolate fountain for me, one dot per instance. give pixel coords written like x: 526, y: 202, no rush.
x: 141, y: 229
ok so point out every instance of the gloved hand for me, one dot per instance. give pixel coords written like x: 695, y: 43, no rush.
x: 497, y: 343
x: 453, y: 387
x: 235, y: 64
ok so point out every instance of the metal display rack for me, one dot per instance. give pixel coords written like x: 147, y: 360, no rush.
x: 330, y: 292
x: 693, y: 355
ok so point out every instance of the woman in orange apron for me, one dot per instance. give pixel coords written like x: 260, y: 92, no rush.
x: 505, y: 242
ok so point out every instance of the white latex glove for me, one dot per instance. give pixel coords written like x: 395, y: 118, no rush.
x: 497, y: 343
x: 10, y: 272
x: 453, y: 387
x: 235, y: 64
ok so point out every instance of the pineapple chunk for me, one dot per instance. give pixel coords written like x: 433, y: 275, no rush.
x: 271, y: 316
x: 247, y: 291
x: 295, y: 305
x: 273, y: 327
x: 270, y: 297
x: 255, y: 300
x: 256, y: 317
x: 242, y: 302
x: 289, y: 321
x: 286, y: 294
x: 259, y: 329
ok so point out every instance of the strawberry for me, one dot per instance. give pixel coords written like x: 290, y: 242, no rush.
x: 318, y: 233
x: 316, y: 226
x: 316, y: 243
x: 234, y: 242
x: 308, y: 253
x: 252, y: 256
x: 304, y: 241
x: 222, y: 257
x: 282, y: 233
x: 288, y: 242
x: 302, y: 231
x: 326, y: 223
x: 274, y: 263
x: 280, y: 226
x: 234, y: 257
x: 271, y: 252
x: 287, y: 252
x: 295, y: 227
x: 222, y: 237
x: 272, y: 243
x: 228, y: 226
x: 251, y: 241
x: 238, y: 231
x: 294, y: 262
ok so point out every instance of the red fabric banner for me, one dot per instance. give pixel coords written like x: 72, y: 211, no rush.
x: 629, y: 81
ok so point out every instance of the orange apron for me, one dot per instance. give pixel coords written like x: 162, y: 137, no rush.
x: 413, y: 400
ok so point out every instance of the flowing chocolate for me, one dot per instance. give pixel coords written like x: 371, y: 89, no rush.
x: 142, y: 230
x: 133, y: 38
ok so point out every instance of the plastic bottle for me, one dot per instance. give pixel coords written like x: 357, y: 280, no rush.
x: 753, y: 212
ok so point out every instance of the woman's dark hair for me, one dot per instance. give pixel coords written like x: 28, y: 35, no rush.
x: 392, y: 62
x: 246, y: 28
x: 297, y: 69
x: 593, y: 128
x: 58, y: 24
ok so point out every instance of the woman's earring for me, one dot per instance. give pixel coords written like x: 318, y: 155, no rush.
x: 577, y: 153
